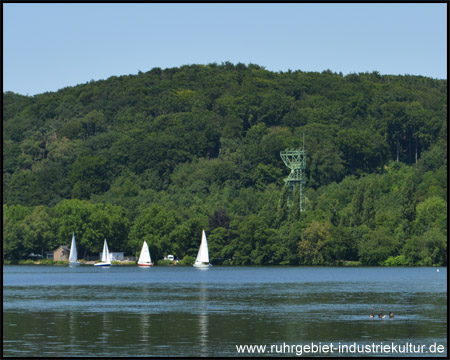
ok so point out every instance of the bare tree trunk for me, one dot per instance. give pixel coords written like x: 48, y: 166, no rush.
x: 416, y: 149
x: 397, y: 147
x: 409, y: 151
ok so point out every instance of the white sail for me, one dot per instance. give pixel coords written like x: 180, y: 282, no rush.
x: 144, y: 258
x: 106, y: 258
x: 202, y: 256
x: 73, y: 257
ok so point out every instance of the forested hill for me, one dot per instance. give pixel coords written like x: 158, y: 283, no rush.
x: 160, y: 155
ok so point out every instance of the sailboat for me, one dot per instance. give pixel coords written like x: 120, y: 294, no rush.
x: 202, y: 260
x: 144, y: 259
x: 73, y: 257
x: 106, y: 260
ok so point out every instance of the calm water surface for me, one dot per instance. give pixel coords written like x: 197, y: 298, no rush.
x: 183, y: 311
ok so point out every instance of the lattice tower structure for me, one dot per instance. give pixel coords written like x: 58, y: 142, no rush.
x: 295, y: 159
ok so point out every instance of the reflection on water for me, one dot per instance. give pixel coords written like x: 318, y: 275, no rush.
x: 203, y: 319
x: 144, y: 329
x: 72, y: 328
x: 56, y: 311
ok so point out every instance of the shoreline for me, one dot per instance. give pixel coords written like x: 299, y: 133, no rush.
x: 133, y: 263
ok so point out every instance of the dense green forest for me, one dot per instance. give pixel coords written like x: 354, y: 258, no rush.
x: 160, y: 155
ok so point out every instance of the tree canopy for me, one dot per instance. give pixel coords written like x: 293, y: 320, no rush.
x: 160, y: 155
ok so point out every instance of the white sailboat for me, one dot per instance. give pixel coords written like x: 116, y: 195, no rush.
x: 106, y: 260
x: 73, y: 257
x: 202, y: 260
x: 144, y: 259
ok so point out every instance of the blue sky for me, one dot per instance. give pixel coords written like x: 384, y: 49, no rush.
x: 50, y: 46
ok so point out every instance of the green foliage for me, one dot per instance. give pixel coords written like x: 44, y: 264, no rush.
x: 428, y: 249
x: 431, y: 213
x: 88, y: 175
x: 313, y: 245
x: 376, y: 246
x: 399, y: 260
x: 187, y: 260
x: 161, y: 155
x: 166, y: 263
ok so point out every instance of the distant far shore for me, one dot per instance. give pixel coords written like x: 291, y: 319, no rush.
x: 173, y: 263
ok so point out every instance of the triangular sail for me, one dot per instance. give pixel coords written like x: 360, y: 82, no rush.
x: 105, y: 255
x: 145, y: 258
x: 203, y: 256
x: 104, y: 252
x: 73, y: 257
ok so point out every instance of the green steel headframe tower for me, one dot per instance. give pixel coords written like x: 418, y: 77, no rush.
x: 295, y: 159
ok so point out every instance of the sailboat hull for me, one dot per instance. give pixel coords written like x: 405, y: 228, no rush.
x: 145, y: 265
x: 71, y: 263
x: 202, y: 266
x: 102, y: 264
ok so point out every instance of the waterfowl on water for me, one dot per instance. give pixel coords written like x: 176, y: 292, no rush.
x: 381, y: 315
x: 391, y: 314
x: 371, y: 314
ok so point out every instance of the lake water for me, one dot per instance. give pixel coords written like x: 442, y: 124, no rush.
x: 182, y: 311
